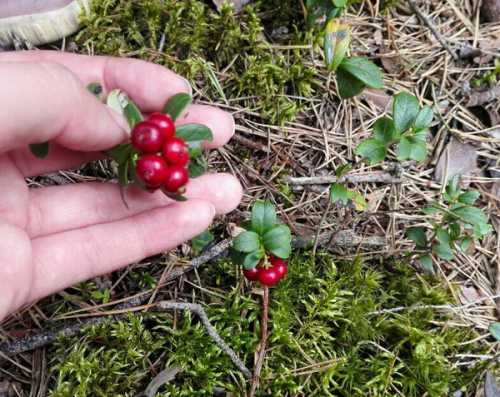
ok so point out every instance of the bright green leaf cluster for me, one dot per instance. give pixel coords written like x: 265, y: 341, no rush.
x: 341, y: 194
x: 407, y: 129
x: 264, y: 234
x: 460, y: 224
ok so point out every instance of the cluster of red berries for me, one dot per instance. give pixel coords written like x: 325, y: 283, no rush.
x: 164, y: 157
x: 268, y: 276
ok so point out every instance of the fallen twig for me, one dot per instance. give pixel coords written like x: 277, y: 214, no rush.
x: 263, y: 343
x: 371, y: 177
x: 342, y: 238
x: 212, y: 332
x: 44, y: 338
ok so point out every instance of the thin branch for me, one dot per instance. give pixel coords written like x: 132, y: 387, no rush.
x: 432, y: 28
x: 263, y: 343
x: 371, y: 177
x: 212, y: 332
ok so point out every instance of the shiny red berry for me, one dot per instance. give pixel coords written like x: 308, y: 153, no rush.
x: 164, y: 122
x: 147, y: 137
x: 269, y: 276
x: 177, y: 177
x: 175, y: 152
x: 152, y: 170
x: 280, y: 265
x: 252, y: 274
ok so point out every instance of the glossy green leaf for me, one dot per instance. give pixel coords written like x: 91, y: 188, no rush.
x: 469, y: 197
x: 424, y: 118
x: 494, y: 329
x: 194, y: 132
x: 120, y: 153
x: 132, y: 113
x: 384, y: 130
x: 372, y: 149
x: 174, y: 196
x: 252, y: 259
x: 121, y: 103
x: 278, y: 241
x: 454, y: 231
x: 466, y: 243
x: 199, y: 242
x: 411, y: 149
x: 263, y: 217
x: 123, y: 173
x: 340, y: 3
x: 443, y: 251
x: 336, y: 43
x: 349, y: 86
x: 418, y: 236
x: 404, y: 111
x: 177, y: 105
x: 247, y: 242
x: 426, y: 263
x: 469, y: 214
x: 364, y: 70
x: 339, y: 193
x: 40, y: 150
x: 197, y: 167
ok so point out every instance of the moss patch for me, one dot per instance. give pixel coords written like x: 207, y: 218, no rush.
x: 325, y: 339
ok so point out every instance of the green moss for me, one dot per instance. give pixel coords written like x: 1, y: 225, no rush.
x: 325, y: 339
x: 199, y: 42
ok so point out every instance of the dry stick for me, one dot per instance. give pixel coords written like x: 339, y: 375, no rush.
x: 200, y: 312
x: 431, y: 27
x: 44, y: 338
x: 371, y: 177
x: 263, y: 343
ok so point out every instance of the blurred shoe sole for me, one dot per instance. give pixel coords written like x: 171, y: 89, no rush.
x: 42, y: 27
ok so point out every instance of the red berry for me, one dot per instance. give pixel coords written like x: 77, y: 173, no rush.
x: 280, y: 265
x: 152, y: 170
x: 164, y: 122
x: 147, y: 137
x: 252, y: 274
x: 268, y: 276
x: 175, y: 152
x: 177, y: 177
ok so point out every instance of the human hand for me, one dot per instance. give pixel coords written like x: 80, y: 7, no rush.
x: 53, y: 237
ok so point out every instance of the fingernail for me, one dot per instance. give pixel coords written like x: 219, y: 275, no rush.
x: 188, y: 86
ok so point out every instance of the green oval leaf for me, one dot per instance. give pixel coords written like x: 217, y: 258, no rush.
x: 336, y: 43
x: 123, y: 174
x: 372, y: 149
x: 426, y: 263
x: 278, y: 241
x: 364, y: 70
x: 176, y: 105
x: 247, y: 242
x: 349, y: 86
x: 405, y: 109
x: 339, y: 193
x: 194, y: 132
x: 469, y: 197
x: 121, y: 103
x: 410, y: 148
x: 424, y: 118
x: 494, y: 329
x: 120, y: 153
x: 199, y: 242
x: 40, y: 150
x: 197, y: 167
x: 252, y: 259
x: 384, y: 130
x: 174, y: 196
x: 263, y: 217
x: 418, y: 236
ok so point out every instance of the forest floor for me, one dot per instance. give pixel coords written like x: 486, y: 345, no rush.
x: 357, y: 315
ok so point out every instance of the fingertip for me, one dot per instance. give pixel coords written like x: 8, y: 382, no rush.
x: 219, y: 121
x: 222, y: 190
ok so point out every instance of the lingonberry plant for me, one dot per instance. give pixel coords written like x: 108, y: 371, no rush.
x: 339, y: 193
x: 159, y: 154
x: 353, y: 74
x: 457, y: 225
x: 262, y: 249
x: 407, y: 129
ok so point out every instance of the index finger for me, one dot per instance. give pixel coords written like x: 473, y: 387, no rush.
x: 149, y: 84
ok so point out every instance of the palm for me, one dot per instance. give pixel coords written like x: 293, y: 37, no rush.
x: 53, y: 237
